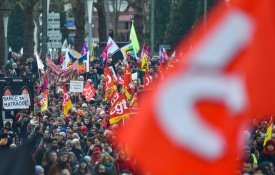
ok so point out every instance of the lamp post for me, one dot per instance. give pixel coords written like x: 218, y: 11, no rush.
x: 90, y: 18
x: 6, y: 21
x: 5, y: 9
x: 152, y: 26
x: 44, y: 30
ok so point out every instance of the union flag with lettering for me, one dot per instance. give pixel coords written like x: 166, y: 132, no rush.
x: 66, y: 101
x: 119, y: 110
x: 88, y: 91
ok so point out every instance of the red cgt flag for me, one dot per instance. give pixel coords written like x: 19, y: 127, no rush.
x: 193, y: 123
x: 110, y: 85
x: 119, y: 79
x: 88, y: 91
x: 119, y: 110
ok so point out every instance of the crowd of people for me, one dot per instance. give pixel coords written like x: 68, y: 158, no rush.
x: 258, y: 158
x: 81, y: 142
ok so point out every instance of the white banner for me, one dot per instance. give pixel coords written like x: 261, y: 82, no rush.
x: 76, y: 86
x: 16, y: 101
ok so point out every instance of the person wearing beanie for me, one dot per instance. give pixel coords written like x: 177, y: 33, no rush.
x: 39, y: 170
x: 83, y: 168
x: 83, y: 130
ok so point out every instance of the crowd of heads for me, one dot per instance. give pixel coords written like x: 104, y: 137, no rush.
x: 81, y: 142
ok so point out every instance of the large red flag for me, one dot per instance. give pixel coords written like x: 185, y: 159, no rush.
x: 119, y: 110
x: 110, y: 85
x: 128, y: 86
x: 88, y: 91
x: 193, y: 123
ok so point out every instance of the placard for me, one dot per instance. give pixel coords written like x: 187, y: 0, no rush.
x: 16, y: 101
x: 76, y: 86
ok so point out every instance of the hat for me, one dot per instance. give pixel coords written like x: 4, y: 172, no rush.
x: 83, y: 129
x: 83, y: 160
x: 39, y: 169
x: 96, y: 150
x: 68, y: 116
x: 84, y: 105
x: 89, y: 80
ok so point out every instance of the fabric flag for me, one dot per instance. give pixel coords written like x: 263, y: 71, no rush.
x: 147, y: 79
x: 66, y: 101
x: 144, y: 64
x: 119, y: 79
x: 127, y: 51
x: 113, y: 46
x: 64, y: 45
x: 110, y: 85
x: 233, y: 81
x: 45, y: 83
x: 128, y: 88
x: 84, y: 49
x: 40, y: 65
x: 88, y: 91
x: 104, y: 53
x: 162, y: 54
x: 83, y: 62
x: 65, y: 63
x: 134, y: 39
x: 44, y: 101
x: 92, y: 56
x: 268, y: 133
x: 119, y: 110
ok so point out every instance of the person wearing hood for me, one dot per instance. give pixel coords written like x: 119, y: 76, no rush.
x: 268, y: 153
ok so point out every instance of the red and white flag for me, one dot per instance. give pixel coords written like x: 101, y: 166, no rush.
x: 119, y: 79
x: 119, y: 110
x: 147, y: 80
x: 88, y: 91
x: 193, y: 122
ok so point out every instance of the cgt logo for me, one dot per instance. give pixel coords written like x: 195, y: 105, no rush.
x: 119, y: 108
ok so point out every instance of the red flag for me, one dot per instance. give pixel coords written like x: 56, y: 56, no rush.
x: 88, y: 91
x: 147, y: 79
x: 104, y: 53
x: 198, y: 113
x: 128, y: 86
x: 66, y: 101
x: 110, y: 85
x: 119, y: 79
x: 119, y: 110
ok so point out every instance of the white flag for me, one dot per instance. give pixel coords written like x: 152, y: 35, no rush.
x: 40, y: 65
x: 113, y: 48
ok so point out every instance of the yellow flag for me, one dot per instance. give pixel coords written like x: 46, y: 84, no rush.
x: 44, y: 101
x: 92, y: 52
x: 268, y: 133
x: 133, y: 38
x: 144, y: 63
